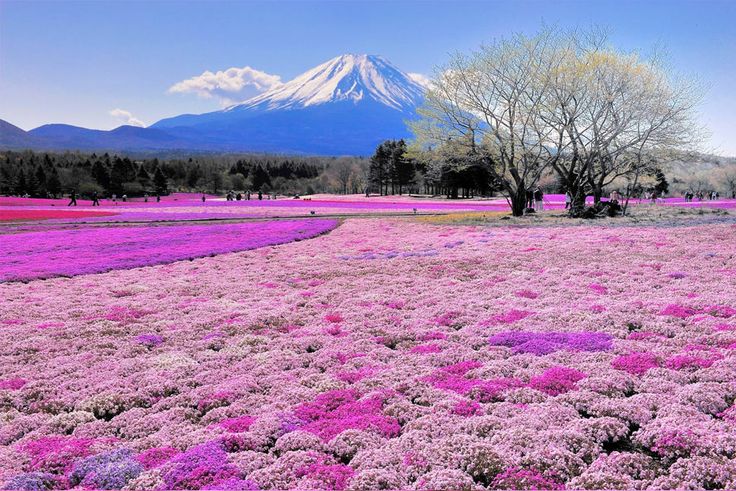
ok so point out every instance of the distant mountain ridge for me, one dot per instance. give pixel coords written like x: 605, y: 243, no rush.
x: 345, y: 106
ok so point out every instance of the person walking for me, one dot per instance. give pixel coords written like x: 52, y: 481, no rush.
x: 95, y: 199
x: 72, y: 198
x: 530, y: 198
x: 538, y: 199
x: 568, y: 200
x: 158, y: 198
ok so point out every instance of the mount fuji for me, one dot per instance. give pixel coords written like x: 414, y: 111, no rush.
x: 346, y: 106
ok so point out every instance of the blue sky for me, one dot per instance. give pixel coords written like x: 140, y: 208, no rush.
x: 75, y: 62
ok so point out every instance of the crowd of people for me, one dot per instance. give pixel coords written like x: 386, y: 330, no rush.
x: 534, y: 197
x: 95, y: 197
x: 233, y: 196
x: 700, y: 195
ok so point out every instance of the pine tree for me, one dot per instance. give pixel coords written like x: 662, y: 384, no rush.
x: 193, y: 176
x: 118, y: 175
x: 379, y: 166
x: 160, y: 182
x: 143, y: 177
x: 101, y: 174
x: 260, y: 177
x: 40, y: 181
x: 403, y: 168
x: 21, y: 185
x: 53, y: 183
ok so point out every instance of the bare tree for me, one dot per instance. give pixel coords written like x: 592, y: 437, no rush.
x: 562, y: 100
x: 489, y: 104
x: 726, y: 177
x: 343, y: 172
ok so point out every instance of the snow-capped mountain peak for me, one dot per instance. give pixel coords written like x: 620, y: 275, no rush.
x: 350, y: 77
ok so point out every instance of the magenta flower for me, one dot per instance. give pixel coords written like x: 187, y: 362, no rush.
x: 237, y: 425
x: 12, y: 383
x: 635, y: 363
x: 557, y: 380
x: 678, y: 311
x: 333, y: 412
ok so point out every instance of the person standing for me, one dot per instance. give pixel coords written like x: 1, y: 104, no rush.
x: 72, y: 198
x: 260, y: 195
x: 568, y: 200
x: 538, y: 199
x: 95, y: 199
x: 203, y: 198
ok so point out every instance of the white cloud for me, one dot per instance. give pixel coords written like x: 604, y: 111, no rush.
x: 421, y: 79
x: 126, y: 117
x: 231, y: 85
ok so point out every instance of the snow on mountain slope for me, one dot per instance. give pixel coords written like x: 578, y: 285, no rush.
x: 346, y: 106
x: 349, y: 77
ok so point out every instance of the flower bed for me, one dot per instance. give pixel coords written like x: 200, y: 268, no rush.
x: 489, y: 364
x: 14, y: 215
x: 71, y: 252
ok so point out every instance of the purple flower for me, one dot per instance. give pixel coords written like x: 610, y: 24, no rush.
x: 544, y: 343
x: 110, y: 470
x: 32, y: 481
x: 149, y: 340
x: 198, y: 467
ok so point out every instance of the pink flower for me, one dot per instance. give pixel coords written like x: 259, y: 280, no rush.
x: 424, y: 349
x: 334, y: 318
x: 509, y: 317
x: 678, y: 311
x: 12, y: 383
x: 635, y: 363
x: 556, y: 380
x: 519, y: 478
x: 598, y: 288
x: 682, y: 362
x: 526, y: 294
x: 467, y: 408
x: 238, y: 424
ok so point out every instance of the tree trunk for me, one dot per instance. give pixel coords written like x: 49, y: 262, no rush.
x: 597, y: 195
x: 518, y: 202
